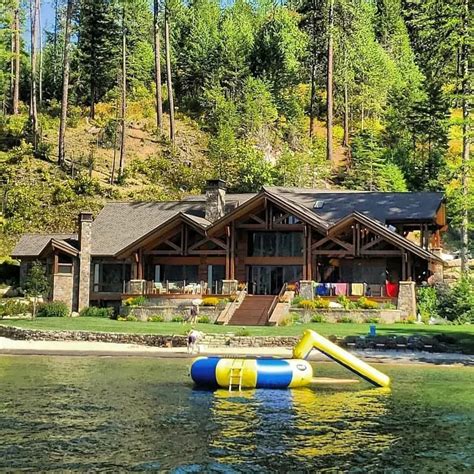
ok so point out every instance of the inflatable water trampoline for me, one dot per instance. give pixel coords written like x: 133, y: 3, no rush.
x: 267, y: 372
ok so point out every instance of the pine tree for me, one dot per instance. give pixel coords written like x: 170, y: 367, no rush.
x: 98, y: 48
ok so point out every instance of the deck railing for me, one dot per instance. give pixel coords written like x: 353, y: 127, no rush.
x: 151, y: 288
x: 229, y: 311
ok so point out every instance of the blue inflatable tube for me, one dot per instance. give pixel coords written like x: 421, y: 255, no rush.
x: 251, y: 373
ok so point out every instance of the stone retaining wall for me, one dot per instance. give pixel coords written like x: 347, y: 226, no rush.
x: 335, y: 315
x: 143, y: 339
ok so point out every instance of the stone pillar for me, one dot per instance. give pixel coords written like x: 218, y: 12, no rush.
x: 436, y: 266
x: 215, y: 199
x: 63, y: 285
x: 307, y: 289
x: 407, y: 298
x: 85, y: 242
x: 229, y: 287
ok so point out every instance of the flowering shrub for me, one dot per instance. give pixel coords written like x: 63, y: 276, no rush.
x: 210, y: 301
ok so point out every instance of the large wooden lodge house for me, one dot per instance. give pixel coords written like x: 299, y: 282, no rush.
x: 210, y: 244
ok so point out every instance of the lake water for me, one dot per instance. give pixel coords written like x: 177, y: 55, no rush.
x: 139, y: 414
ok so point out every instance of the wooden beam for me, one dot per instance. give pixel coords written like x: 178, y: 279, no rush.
x: 256, y: 219
x: 55, y: 262
x: 232, y: 251
x: 381, y: 253
x: 371, y: 243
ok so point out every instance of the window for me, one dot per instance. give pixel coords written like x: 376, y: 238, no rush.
x: 275, y: 244
x: 188, y: 273
x: 109, y: 277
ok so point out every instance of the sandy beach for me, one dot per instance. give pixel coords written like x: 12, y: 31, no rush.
x: 80, y: 348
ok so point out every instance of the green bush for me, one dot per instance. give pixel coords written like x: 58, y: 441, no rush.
x: 156, y: 319
x: 346, y: 320
x: 297, y: 300
x: 131, y: 318
x: 135, y: 301
x: 427, y: 302
x: 457, y: 303
x: 365, y: 303
x: 321, y: 303
x: 242, y: 332
x: 204, y: 320
x: 11, y: 307
x: 372, y: 320
x: 177, y: 319
x: 95, y: 312
x: 346, y: 302
x: 307, y: 304
x: 318, y: 318
x: 53, y: 309
x: 288, y: 321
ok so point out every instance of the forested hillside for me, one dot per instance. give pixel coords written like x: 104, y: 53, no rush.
x: 141, y: 99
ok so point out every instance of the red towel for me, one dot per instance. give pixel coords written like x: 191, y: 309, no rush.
x: 391, y: 289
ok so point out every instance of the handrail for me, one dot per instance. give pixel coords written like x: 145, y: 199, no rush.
x: 234, y: 304
x: 276, y: 301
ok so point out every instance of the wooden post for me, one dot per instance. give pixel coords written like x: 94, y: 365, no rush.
x: 305, y: 252
x: 232, y: 252
x: 227, y: 254
x: 55, y: 263
x: 309, y: 268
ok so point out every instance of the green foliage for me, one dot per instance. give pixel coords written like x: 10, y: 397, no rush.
x: 346, y: 320
x: 456, y: 303
x: 54, y: 309
x: 13, y: 307
x: 306, y: 304
x: 130, y: 317
x: 36, y: 283
x: 365, y: 303
x: 177, y: 319
x: 136, y: 301
x: 204, y: 320
x: 242, y: 332
x: 346, y: 302
x: 156, y: 319
x: 318, y: 318
x: 427, y: 302
x: 96, y: 312
x: 372, y: 320
x: 321, y: 303
x: 297, y: 300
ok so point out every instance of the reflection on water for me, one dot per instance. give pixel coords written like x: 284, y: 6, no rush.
x: 144, y: 414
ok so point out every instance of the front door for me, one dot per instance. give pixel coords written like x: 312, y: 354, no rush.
x: 269, y: 279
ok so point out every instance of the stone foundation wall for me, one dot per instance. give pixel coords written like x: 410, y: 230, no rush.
x: 334, y: 315
x: 142, y: 313
x: 121, y: 338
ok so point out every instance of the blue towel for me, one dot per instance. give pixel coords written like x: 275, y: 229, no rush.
x: 322, y: 289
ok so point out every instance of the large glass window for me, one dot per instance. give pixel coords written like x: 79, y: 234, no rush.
x: 172, y: 273
x: 275, y: 244
x: 109, y: 277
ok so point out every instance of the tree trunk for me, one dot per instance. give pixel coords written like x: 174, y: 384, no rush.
x: 16, y: 78
x: 168, y: 77
x: 55, y: 45
x: 346, y: 115
x: 159, y: 101
x: 329, y: 91
x: 40, y: 61
x: 33, y: 100
x: 124, y: 96
x: 465, y: 141
x: 313, y: 73
x: 64, y: 99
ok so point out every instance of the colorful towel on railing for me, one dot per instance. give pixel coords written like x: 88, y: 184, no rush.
x: 357, y: 289
x: 340, y: 289
x: 391, y: 289
x: 322, y: 289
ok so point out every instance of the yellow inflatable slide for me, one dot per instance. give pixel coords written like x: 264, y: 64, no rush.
x: 312, y: 340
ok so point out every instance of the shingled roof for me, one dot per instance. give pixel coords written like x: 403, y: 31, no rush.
x: 385, y: 207
x: 32, y: 245
x: 120, y: 224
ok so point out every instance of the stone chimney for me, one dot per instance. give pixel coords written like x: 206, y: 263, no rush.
x: 85, y: 245
x: 215, y: 199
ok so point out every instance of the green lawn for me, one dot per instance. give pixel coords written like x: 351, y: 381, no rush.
x: 464, y: 334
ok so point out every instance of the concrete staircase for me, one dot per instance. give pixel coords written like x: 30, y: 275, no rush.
x: 253, y: 311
